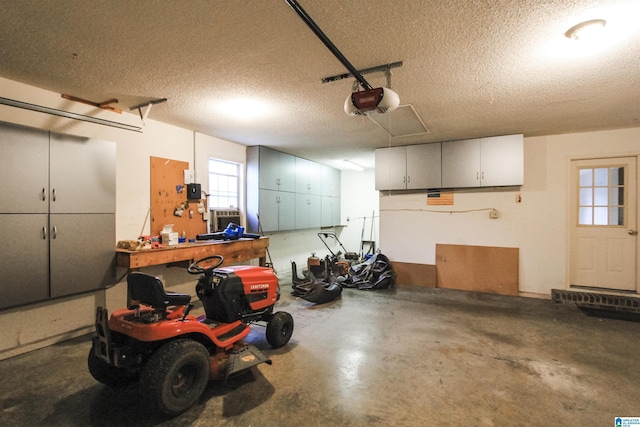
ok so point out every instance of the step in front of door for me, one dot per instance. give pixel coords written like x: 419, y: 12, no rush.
x: 598, y: 300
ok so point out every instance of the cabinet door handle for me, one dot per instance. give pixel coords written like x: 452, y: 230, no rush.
x: 44, y: 233
x: 43, y: 196
x: 633, y: 232
x: 53, y: 195
x: 477, y: 176
x: 483, y: 175
x: 404, y: 179
x: 408, y: 179
x: 54, y: 232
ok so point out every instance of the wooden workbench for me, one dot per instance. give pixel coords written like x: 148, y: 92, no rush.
x: 233, y: 251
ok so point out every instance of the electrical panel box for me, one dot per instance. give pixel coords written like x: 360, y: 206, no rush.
x: 194, y: 192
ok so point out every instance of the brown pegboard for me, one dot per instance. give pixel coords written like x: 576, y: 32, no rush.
x: 166, y: 174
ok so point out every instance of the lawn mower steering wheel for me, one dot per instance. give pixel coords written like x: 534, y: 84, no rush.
x: 196, y: 268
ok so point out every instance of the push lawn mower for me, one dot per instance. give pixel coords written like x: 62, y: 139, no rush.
x: 174, y: 354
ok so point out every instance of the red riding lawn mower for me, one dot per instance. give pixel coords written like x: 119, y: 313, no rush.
x: 174, y: 354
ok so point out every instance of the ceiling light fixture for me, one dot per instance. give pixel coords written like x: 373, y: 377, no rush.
x: 243, y: 108
x: 586, y: 30
x: 353, y: 165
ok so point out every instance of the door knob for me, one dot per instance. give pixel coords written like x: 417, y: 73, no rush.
x: 633, y: 232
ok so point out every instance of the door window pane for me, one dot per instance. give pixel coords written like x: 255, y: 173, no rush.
x: 601, y: 175
x: 586, y: 197
x: 601, y: 196
x: 586, y: 177
x: 586, y: 216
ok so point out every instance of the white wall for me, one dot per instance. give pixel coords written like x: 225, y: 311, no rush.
x: 73, y: 316
x: 538, y: 225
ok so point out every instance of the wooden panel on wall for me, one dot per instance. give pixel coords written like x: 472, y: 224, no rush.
x: 166, y: 174
x: 409, y: 274
x: 478, y: 268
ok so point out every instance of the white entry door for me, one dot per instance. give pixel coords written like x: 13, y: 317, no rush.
x: 604, y: 236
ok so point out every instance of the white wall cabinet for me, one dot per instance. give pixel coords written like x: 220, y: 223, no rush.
x: 409, y: 167
x: 308, y: 210
x: 57, y: 215
x: 276, y: 210
x: 483, y: 162
x: 330, y: 211
x: 308, y: 177
x: 286, y: 192
x: 277, y: 170
x: 330, y: 182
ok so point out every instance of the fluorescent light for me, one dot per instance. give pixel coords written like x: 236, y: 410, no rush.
x: 352, y: 165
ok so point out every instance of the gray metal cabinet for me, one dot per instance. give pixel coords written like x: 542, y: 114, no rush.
x: 308, y: 177
x: 276, y: 210
x: 59, y: 214
x: 307, y: 210
x: 411, y: 167
x: 330, y: 211
x: 461, y: 163
x: 424, y: 167
x: 483, y: 162
x: 24, y: 169
x: 501, y: 160
x: 270, y: 208
x: 330, y: 181
x: 82, y: 175
x: 25, y: 261
x: 277, y: 170
x: 270, y: 190
x: 391, y: 168
x: 82, y: 252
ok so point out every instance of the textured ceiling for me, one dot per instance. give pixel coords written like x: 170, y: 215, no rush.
x: 470, y: 68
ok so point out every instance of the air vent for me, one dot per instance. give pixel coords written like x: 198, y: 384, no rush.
x: 403, y: 121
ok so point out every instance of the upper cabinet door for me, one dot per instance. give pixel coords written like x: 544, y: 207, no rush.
x: 308, y: 177
x: 330, y: 181
x: 391, y: 168
x: 24, y: 169
x: 277, y: 170
x: 424, y: 166
x: 83, y: 175
x: 269, y: 168
x: 461, y: 163
x: 501, y: 159
x: 287, y: 164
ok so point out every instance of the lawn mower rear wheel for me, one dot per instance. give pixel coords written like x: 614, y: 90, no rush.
x: 176, y: 375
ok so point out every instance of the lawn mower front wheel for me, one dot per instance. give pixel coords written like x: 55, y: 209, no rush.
x: 176, y: 375
x: 279, y: 329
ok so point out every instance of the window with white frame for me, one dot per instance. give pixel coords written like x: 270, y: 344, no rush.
x: 601, y: 196
x: 224, y: 184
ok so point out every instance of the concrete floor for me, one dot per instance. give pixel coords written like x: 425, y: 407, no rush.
x: 399, y: 357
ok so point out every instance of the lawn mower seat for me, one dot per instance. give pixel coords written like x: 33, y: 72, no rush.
x: 149, y: 290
